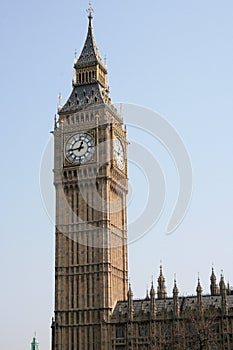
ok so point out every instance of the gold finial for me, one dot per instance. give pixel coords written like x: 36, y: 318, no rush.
x: 90, y: 10
x: 59, y: 106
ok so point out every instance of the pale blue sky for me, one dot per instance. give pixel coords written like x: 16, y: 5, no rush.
x: 175, y: 57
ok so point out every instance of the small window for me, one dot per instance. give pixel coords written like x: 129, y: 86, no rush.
x: 120, y: 332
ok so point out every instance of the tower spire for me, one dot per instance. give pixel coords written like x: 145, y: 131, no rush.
x: 90, y: 13
x: 90, y: 82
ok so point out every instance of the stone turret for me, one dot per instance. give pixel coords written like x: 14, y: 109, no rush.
x: 176, y: 304
x: 152, y: 301
x: 130, y: 304
x: 199, y: 294
x: 214, y: 290
x: 34, y: 344
x: 161, y: 289
x: 223, y: 293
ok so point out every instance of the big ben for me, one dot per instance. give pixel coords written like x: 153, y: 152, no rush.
x: 90, y: 178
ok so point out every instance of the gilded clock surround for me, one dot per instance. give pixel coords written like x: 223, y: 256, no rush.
x: 90, y: 134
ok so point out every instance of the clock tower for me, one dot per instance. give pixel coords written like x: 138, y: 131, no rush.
x: 90, y: 178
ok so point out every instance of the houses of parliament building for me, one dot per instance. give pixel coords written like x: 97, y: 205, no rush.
x: 94, y: 304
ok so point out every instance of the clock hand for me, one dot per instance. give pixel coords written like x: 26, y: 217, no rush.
x: 72, y: 149
x: 77, y: 148
x: 80, y: 147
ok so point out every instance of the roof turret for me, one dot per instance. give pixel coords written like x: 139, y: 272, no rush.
x: 199, y: 294
x: 34, y: 344
x: 175, y: 289
x: 223, y: 292
x: 161, y: 289
x: 222, y: 284
x: 176, y: 304
x: 199, y: 288
x: 152, y: 301
x: 130, y: 303
x: 152, y: 290
x: 213, y: 284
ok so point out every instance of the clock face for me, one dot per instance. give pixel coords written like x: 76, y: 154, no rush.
x: 118, y: 153
x: 80, y: 148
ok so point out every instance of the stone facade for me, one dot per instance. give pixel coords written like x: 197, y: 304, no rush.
x: 91, y: 225
x: 94, y: 308
x: 192, y: 322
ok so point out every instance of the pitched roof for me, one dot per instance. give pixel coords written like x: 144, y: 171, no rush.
x: 90, y: 54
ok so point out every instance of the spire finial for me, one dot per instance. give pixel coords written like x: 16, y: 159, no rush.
x: 90, y: 12
x: 59, y: 106
x: 75, y: 56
